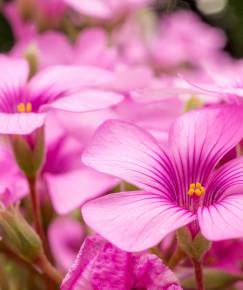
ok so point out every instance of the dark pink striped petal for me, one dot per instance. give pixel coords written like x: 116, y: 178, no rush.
x: 128, y: 152
x: 227, y: 180
x: 222, y: 220
x: 199, y: 139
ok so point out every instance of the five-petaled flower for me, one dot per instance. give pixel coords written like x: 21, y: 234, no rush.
x: 182, y: 184
x: 24, y: 103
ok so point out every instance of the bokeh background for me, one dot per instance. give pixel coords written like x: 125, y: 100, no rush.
x: 225, y: 14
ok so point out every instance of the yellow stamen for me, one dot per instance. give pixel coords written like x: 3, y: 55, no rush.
x: 192, y: 185
x: 196, y: 189
x: 24, y: 108
x: 21, y: 107
x: 28, y: 107
x: 190, y: 192
x: 198, y: 192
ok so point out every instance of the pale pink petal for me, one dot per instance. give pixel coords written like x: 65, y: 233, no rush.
x: 93, y: 8
x: 223, y: 220
x: 70, y: 190
x: 13, y: 78
x: 199, y: 139
x: 13, y: 74
x: 55, y: 81
x: 20, y: 123
x: 135, y: 220
x: 128, y: 152
x: 87, y: 100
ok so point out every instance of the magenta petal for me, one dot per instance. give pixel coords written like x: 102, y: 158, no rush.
x: 87, y: 100
x: 199, y: 139
x: 128, y: 152
x: 20, y: 123
x: 70, y: 190
x: 222, y: 220
x: 101, y: 265
x: 136, y: 220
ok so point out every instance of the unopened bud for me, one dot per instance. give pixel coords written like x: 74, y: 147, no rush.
x: 18, y: 235
x: 195, y: 247
x: 29, y: 151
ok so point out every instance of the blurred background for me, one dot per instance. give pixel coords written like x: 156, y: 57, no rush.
x: 225, y: 14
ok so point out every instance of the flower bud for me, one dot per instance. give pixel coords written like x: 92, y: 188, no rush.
x: 29, y: 151
x: 18, y: 235
x: 195, y: 247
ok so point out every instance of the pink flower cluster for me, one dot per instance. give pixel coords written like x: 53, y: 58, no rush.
x: 121, y: 146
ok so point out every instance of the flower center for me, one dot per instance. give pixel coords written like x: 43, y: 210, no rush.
x: 24, y: 107
x: 196, y: 189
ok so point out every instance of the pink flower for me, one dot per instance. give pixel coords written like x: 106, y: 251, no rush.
x: 180, y: 186
x: 65, y: 237
x: 13, y: 185
x: 105, y: 9
x: 226, y: 255
x: 187, y: 40
x: 226, y: 84
x: 23, y: 103
x: 100, y: 265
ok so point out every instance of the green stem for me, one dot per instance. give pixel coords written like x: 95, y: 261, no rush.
x: 176, y: 257
x: 36, y: 211
x: 198, y: 270
x: 47, y: 268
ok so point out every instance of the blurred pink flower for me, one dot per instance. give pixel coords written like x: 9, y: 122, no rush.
x: 227, y: 255
x: 65, y: 237
x: 226, y: 83
x: 24, y: 103
x: 106, y: 9
x: 183, y: 39
x: 180, y: 186
x: 100, y: 265
x: 13, y: 185
x: 43, y: 48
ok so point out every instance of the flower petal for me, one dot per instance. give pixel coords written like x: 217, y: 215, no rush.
x: 13, y: 77
x: 222, y: 220
x: 87, y: 100
x: 57, y: 81
x: 199, y: 139
x: 70, y: 190
x: 20, y: 123
x: 135, y: 220
x: 226, y: 180
x: 93, y: 8
x: 126, y: 151
x: 100, y: 265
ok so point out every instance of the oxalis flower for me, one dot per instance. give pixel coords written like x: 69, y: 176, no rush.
x: 23, y: 103
x: 181, y: 184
